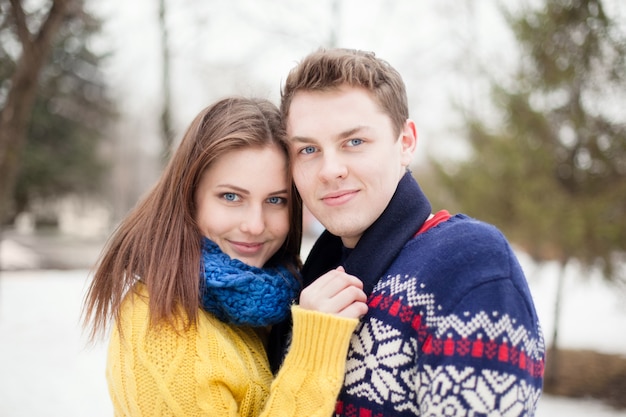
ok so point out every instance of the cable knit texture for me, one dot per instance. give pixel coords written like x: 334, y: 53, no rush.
x: 216, y: 369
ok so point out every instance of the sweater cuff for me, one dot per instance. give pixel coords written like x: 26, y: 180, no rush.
x: 319, y: 340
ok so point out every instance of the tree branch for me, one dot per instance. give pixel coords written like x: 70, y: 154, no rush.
x: 20, y: 23
x: 14, y: 116
x: 50, y: 26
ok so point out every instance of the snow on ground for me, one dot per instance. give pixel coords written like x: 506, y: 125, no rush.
x: 47, y: 368
x: 15, y: 256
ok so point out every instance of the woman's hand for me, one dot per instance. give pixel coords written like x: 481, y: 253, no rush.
x: 336, y: 292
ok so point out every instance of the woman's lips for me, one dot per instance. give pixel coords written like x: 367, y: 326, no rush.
x: 247, y: 247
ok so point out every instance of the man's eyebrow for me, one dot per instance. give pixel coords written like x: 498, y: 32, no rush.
x: 341, y: 135
x: 351, y: 132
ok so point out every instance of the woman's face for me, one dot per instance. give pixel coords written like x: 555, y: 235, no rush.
x: 242, y: 203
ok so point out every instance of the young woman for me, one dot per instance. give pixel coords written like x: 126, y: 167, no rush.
x: 194, y: 276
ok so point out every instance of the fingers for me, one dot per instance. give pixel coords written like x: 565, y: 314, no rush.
x: 355, y: 310
x: 336, y: 292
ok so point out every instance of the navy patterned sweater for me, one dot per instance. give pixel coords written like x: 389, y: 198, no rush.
x: 451, y: 328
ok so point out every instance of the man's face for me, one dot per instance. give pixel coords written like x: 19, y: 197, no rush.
x: 347, y: 159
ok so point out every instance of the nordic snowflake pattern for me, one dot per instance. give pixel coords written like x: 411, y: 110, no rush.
x: 408, y: 361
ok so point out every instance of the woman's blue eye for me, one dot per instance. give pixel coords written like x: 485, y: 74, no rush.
x: 230, y: 196
x: 355, y: 142
x: 277, y: 200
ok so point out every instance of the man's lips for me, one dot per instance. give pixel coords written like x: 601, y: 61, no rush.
x: 339, y: 197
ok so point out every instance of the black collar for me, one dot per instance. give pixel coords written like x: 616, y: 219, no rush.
x: 380, y: 244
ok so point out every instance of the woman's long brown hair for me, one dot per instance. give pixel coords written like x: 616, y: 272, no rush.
x: 159, y: 241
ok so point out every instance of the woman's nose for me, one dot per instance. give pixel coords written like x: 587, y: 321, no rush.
x: 253, y: 221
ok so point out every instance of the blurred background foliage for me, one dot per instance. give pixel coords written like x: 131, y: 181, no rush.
x: 68, y: 119
x: 63, y: 153
x: 550, y: 170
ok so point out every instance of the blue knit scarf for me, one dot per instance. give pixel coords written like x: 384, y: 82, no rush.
x: 241, y: 294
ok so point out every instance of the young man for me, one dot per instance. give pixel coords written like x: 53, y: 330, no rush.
x: 451, y: 328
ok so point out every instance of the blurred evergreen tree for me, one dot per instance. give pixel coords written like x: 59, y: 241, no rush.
x: 552, y: 173
x: 70, y: 110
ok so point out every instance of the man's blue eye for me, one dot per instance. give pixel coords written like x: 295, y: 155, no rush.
x: 307, y: 150
x: 355, y: 142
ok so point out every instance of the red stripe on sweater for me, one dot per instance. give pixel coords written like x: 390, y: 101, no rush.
x: 450, y: 346
x: 439, y: 217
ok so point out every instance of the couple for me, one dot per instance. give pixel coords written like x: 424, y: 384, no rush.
x: 396, y: 312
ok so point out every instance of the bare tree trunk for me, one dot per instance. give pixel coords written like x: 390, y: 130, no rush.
x: 166, y: 124
x: 16, y: 113
x: 552, y: 363
x: 333, y: 39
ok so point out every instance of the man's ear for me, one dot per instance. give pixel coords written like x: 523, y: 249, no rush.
x: 408, y: 141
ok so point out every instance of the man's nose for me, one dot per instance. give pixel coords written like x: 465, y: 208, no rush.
x: 333, y: 167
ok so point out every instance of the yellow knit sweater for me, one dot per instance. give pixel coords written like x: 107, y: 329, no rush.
x: 215, y: 369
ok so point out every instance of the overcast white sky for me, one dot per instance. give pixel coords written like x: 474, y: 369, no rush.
x: 248, y: 46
